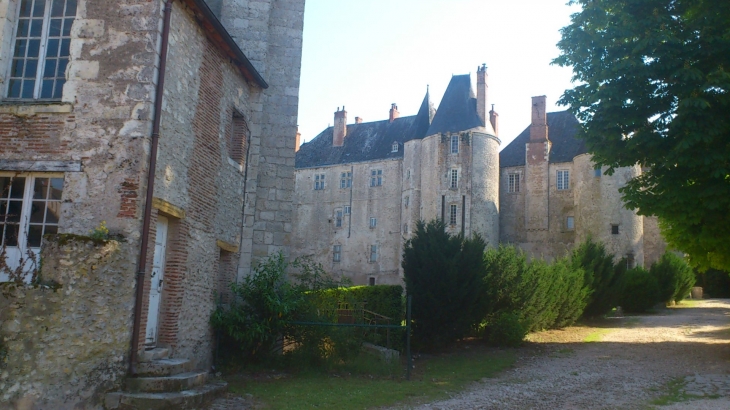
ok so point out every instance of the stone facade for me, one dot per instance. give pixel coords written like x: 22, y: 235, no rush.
x: 450, y: 168
x: 224, y: 176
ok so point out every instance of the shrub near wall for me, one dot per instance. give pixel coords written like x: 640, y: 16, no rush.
x: 639, y: 291
x: 674, y: 276
x: 602, y: 278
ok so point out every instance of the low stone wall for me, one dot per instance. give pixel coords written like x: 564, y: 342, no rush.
x: 64, y: 347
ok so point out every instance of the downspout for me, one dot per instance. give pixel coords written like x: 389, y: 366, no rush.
x: 142, y: 264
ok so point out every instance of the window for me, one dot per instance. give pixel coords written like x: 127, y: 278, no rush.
x: 338, y: 218
x: 614, y: 229
x: 597, y: 172
x: 405, y: 228
x: 319, y: 182
x: 408, y: 174
x: 563, y: 180
x: 570, y: 223
x: 630, y: 261
x: 394, y: 148
x: 407, y: 201
x: 238, y: 140
x: 336, y: 253
x: 513, y: 183
x: 41, y: 49
x: 373, y: 253
x: 376, y: 177
x: 30, y: 207
x: 453, y: 209
x: 454, y: 144
x: 348, y: 209
x: 371, y: 281
x: 373, y: 222
x: 346, y: 180
x: 454, y: 178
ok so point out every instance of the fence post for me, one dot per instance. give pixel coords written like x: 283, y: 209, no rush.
x: 408, y: 338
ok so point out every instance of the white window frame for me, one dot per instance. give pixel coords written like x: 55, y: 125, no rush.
x: 454, y: 144
x: 373, y: 253
x: 347, y: 210
x: 376, y: 177
x: 21, y: 250
x: 338, y: 218
x: 563, y: 179
x: 373, y: 222
x: 454, y: 179
x: 513, y: 182
x: 41, y: 61
x: 337, y: 253
x: 394, y: 148
x: 453, y: 214
x: 319, y: 182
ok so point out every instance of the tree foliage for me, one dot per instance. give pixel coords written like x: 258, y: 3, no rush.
x: 443, y: 274
x: 653, y: 88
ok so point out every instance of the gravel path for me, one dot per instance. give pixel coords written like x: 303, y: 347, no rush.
x: 684, y: 352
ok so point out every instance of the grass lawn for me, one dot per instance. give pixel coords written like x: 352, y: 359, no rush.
x: 364, y: 386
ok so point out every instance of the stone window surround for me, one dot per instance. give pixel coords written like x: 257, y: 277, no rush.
x: 513, y: 182
x: 8, y: 30
x: 562, y: 181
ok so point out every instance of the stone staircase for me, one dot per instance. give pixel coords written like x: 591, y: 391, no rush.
x: 164, y: 383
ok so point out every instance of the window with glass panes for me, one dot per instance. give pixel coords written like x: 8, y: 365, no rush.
x: 373, y: 253
x: 338, y: 218
x: 336, y: 253
x: 454, y: 178
x: 346, y: 180
x: 452, y: 214
x: 376, y: 177
x: 41, y: 49
x: 513, y: 183
x: 319, y: 182
x: 563, y: 181
x: 30, y: 207
x: 454, y: 144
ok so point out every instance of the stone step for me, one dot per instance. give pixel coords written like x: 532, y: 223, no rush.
x: 154, y: 354
x: 192, y: 399
x: 173, y: 383
x: 164, y: 367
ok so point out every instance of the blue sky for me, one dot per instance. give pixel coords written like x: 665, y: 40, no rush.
x: 367, y: 54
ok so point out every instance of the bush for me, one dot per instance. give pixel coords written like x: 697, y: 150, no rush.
x: 574, y: 293
x: 443, y: 275
x: 674, y: 276
x: 602, y: 278
x: 639, y: 291
x: 507, y: 330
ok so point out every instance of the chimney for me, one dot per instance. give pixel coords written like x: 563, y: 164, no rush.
x: 297, y: 140
x: 340, y: 128
x: 394, y: 112
x: 482, y: 88
x: 494, y: 119
x: 538, y: 128
x: 358, y: 120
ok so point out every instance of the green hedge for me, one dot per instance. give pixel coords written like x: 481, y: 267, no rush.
x: 639, y: 291
x: 674, y: 276
x: 386, y: 300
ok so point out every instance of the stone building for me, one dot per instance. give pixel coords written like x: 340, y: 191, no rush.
x: 172, y: 121
x: 360, y: 188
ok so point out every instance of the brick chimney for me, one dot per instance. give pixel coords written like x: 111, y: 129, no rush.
x: 539, y: 128
x: 482, y: 88
x: 297, y: 140
x: 494, y: 119
x: 339, y: 130
x: 394, y: 112
x: 358, y: 120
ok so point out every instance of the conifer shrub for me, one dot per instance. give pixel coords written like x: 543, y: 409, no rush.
x: 602, y: 277
x: 507, y: 330
x: 639, y: 290
x: 674, y: 276
x: 715, y: 283
x: 574, y: 293
x: 443, y: 274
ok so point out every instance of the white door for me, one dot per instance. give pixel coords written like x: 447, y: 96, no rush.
x: 158, y: 274
x: 30, y: 207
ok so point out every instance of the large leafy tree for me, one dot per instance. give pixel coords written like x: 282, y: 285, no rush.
x: 653, y: 88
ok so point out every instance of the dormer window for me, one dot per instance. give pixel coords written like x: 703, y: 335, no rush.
x: 394, y: 148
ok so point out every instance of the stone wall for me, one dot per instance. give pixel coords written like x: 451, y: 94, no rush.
x: 484, y: 208
x: 315, y: 223
x: 67, y: 346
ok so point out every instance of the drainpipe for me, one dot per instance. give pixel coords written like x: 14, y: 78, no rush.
x: 142, y: 264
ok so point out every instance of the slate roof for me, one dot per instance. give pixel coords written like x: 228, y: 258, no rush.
x: 458, y: 108
x: 562, y: 131
x: 366, y: 141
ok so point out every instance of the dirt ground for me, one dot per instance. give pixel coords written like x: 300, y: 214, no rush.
x: 678, y: 358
